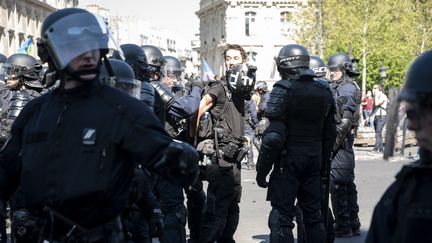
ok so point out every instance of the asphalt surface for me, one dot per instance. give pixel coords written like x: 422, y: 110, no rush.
x: 373, y: 176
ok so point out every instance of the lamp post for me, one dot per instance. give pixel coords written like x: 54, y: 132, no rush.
x: 383, y: 73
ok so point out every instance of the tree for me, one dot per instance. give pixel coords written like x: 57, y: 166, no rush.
x: 380, y: 32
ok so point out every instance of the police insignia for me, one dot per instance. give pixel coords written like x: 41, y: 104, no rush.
x: 89, y: 136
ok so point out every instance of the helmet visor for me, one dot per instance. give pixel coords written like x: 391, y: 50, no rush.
x: 11, y: 71
x: 77, y: 34
x: 130, y: 87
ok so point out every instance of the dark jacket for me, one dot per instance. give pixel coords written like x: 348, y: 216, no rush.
x: 74, y: 151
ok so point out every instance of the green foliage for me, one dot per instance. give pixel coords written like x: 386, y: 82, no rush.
x: 391, y: 32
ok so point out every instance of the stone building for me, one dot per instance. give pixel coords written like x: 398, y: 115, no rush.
x: 20, y: 19
x: 135, y: 29
x: 262, y: 27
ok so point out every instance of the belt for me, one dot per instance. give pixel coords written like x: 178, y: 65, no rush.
x: 58, y: 228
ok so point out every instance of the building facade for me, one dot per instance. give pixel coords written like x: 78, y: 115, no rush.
x: 20, y: 19
x: 136, y: 30
x: 261, y: 27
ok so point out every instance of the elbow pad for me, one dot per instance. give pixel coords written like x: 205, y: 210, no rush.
x: 166, y: 95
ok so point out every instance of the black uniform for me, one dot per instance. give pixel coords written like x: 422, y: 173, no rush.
x: 72, y: 150
x: 403, y: 214
x: 301, y: 114
x: 343, y: 189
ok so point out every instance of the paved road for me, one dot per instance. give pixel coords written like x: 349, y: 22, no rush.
x: 373, y: 176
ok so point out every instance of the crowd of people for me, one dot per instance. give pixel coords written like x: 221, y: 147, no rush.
x: 101, y: 143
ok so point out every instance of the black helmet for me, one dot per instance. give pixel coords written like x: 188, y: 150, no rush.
x: 23, y: 67
x: 241, y: 78
x: 291, y: 57
x: 124, y: 78
x: 318, y: 66
x: 68, y: 33
x: 342, y: 62
x: 418, y: 85
x: 154, y: 55
x: 261, y: 85
x: 2, y: 58
x: 172, y: 67
x: 136, y: 58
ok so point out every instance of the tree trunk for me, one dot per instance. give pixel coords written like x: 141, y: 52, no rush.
x: 320, y: 32
x: 364, y: 53
x: 392, y: 124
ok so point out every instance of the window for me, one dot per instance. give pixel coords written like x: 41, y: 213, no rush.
x: 249, y: 20
x: 285, y: 19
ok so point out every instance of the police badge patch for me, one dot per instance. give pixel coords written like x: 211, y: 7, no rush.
x: 89, y: 136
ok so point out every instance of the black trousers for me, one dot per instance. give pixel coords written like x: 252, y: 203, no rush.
x: 297, y: 177
x: 222, y: 212
x: 343, y: 189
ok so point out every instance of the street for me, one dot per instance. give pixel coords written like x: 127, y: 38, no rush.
x: 373, y: 176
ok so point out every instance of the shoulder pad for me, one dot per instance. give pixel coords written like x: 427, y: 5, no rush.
x: 287, y: 84
x: 356, y: 85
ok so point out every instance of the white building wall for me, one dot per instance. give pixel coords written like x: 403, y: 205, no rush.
x: 21, y: 18
x: 135, y: 30
x: 223, y: 21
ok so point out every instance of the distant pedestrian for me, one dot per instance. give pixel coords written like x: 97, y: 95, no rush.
x: 380, y: 119
x: 367, y: 106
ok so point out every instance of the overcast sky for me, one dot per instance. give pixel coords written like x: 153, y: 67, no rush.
x: 175, y: 15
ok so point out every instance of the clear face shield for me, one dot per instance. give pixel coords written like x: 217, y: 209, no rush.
x: 171, y: 77
x: 77, y: 34
x: 131, y: 87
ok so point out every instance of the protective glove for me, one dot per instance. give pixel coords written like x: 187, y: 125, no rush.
x: 156, y: 223
x: 261, y: 180
x: 25, y: 226
x: 179, y: 164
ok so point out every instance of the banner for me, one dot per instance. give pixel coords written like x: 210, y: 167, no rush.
x: 208, y: 73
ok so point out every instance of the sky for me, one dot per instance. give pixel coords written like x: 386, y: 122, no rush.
x: 174, y: 15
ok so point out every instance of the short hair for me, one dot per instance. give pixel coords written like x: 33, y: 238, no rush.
x: 379, y: 87
x: 238, y: 48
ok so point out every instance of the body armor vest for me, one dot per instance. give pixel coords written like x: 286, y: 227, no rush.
x: 335, y: 86
x: 306, y: 111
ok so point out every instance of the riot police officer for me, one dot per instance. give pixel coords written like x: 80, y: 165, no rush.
x: 143, y: 217
x: 403, y: 213
x: 72, y: 147
x: 136, y: 58
x: 318, y: 66
x: 21, y: 72
x: 178, y: 110
x: 177, y: 126
x: 172, y: 75
x: 298, y: 139
x: 343, y: 189
x: 320, y: 69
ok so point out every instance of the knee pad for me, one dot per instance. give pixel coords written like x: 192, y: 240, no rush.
x: 280, y: 227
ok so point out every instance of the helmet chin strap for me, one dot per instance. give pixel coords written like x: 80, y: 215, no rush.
x: 68, y: 74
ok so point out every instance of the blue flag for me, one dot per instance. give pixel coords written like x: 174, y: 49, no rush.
x: 26, y: 47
